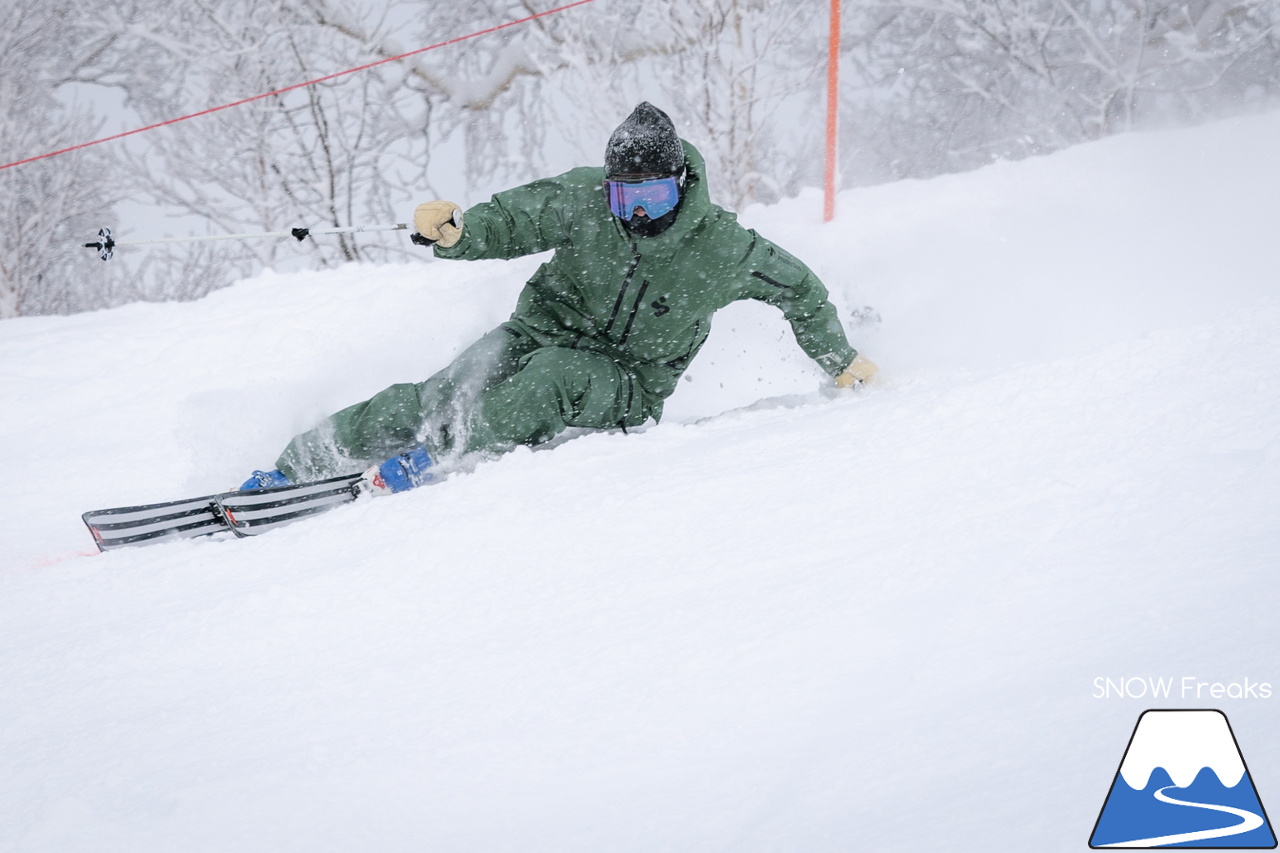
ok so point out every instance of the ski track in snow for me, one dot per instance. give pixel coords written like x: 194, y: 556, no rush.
x: 784, y: 618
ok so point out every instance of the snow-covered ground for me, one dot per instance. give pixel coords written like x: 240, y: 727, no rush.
x: 783, y: 619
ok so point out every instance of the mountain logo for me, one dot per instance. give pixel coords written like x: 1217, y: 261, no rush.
x: 1183, y: 783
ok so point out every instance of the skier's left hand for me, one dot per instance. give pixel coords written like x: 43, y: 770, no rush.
x: 861, y: 370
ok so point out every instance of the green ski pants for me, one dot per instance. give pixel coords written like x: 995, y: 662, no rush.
x: 503, y: 390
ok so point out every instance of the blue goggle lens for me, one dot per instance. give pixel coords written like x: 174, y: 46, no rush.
x: 658, y: 197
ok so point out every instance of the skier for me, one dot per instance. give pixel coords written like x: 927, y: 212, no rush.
x: 601, y: 332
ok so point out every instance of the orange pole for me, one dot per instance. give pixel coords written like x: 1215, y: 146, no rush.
x: 833, y: 92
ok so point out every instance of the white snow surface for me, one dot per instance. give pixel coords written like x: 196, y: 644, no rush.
x: 782, y: 619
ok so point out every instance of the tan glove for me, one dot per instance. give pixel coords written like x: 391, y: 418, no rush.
x: 860, y: 370
x: 439, y: 221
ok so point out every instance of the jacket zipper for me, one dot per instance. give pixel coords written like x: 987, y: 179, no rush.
x: 635, y: 308
x: 626, y: 283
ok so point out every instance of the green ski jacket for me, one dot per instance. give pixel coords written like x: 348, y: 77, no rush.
x: 644, y: 302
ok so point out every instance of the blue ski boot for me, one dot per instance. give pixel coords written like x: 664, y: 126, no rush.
x: 400, y: 473
x: 265, y: 480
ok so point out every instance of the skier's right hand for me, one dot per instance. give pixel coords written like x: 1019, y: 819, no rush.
x: 439, y: 222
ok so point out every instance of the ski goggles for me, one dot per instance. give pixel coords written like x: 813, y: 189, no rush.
x: 658, y: 197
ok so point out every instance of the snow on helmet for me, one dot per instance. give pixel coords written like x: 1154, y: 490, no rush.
x: 645, y: 144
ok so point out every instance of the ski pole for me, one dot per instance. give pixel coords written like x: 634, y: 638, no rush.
x: 106, y: 244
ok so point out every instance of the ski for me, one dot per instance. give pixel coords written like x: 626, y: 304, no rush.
x: 253, y: 512
x: 245, y: 513
x: 148, y: 523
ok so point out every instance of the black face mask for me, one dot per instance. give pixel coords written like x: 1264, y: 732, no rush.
x: 642, y: 226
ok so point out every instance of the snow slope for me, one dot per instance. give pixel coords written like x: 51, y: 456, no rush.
x: 783, y: 619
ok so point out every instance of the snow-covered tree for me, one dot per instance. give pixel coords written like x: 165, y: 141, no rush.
x: 929, y: 86
x: 50, y: 206
x: 941, y: 85
x: 313, y: 156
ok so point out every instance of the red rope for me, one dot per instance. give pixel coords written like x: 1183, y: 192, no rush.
x: 299, y: 85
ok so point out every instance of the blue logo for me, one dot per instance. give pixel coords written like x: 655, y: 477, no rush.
x: 1183, y: 783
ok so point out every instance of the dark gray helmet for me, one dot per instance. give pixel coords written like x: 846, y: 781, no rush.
x: 646, y: 144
